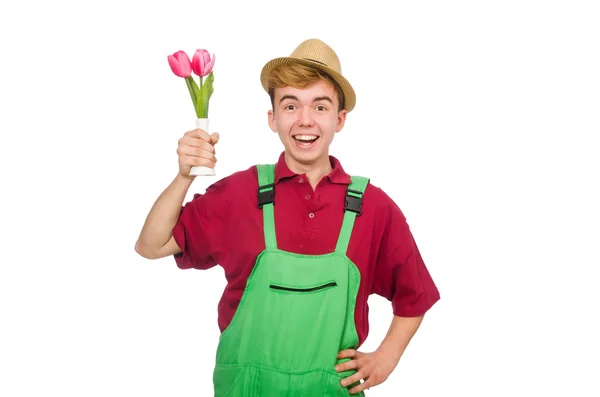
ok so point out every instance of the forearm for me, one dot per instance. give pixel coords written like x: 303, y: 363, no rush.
x: 399, y: 335
x: 158, y: 227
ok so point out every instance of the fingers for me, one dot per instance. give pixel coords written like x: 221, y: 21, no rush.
x: 187, y: 161
x: 353, y: 379
x: 196, y: 148
x: 353, y: 364
x: 367, y: 367
x: 214, y: 138
x: 197, y: 137
x: 348, y: 353
x: 207, y: 152
x: 362, y: 387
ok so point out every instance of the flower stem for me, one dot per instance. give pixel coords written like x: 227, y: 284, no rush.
x: 189, y: 82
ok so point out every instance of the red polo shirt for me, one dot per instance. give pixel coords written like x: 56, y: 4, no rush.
x: 225, y: 226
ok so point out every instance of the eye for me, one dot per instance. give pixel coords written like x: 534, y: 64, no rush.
x: 290, y: 107
x: 321, y: 108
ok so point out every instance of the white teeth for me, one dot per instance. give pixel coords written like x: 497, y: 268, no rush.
x: 306, y: 137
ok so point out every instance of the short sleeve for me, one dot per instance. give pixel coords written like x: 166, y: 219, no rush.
x: 401, y: 275
x: 192, y: 233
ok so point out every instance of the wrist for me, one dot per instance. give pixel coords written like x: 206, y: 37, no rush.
x: 187, y: 179
x: 390, y: 350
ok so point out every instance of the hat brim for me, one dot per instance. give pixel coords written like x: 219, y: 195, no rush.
x: 349, y: 94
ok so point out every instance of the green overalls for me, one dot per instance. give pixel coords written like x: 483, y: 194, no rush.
x: 295, y: 316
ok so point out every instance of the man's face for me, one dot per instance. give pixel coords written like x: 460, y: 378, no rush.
x: 301, y: 115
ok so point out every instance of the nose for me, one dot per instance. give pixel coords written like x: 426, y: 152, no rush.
x: 305, y: 118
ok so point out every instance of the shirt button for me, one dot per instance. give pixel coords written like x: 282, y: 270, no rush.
x: 307, y: 197
x: 311, y: 215
x: 301, y: 180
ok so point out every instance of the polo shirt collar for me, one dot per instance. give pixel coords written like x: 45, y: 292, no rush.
x: 337, y: 174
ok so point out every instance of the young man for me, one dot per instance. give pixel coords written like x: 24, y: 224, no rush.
x: 302, y: 244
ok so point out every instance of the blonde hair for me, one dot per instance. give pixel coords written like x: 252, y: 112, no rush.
x: 299, y: 76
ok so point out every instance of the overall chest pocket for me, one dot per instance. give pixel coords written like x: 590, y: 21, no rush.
x: 277, y: 287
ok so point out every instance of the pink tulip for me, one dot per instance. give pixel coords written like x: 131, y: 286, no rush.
x: 202, y: 65
x: 180, y: 64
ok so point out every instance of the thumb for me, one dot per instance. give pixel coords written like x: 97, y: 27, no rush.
x: 214, y: 138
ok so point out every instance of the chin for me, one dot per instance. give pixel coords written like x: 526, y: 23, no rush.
x: 306, y: 158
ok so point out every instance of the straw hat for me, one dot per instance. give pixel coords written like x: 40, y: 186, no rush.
x: 316, y: 54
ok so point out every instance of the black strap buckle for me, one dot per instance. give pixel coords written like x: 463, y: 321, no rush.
x: 354, y: 203
x: 267, y: 196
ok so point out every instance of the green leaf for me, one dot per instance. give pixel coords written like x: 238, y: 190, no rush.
x: 206, y: 91
x: 200, y: 104
x: 210, y: 79
x: 209, y: 89
x: 193, y: 89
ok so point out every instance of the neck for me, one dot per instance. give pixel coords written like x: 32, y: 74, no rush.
x: 314, y: 171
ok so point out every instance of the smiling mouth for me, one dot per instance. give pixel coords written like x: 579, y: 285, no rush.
x: 306, y: 139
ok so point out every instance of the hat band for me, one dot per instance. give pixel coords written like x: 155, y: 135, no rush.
x: 312, y: 60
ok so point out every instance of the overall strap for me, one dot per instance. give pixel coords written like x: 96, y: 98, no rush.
x: 353, y: 209
x: 266, y: 200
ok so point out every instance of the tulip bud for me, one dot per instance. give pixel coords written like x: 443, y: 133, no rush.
x: 202, y: 64
x: 180, y: 64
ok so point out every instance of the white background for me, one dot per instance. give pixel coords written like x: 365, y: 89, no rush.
x: 477, y: 118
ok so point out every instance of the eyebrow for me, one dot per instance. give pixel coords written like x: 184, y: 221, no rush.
x: 323, y: 98
x: 317, y: 99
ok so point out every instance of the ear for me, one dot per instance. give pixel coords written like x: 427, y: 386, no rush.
x: 271, y: 116
x: 341, y: 120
